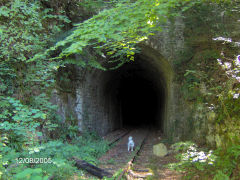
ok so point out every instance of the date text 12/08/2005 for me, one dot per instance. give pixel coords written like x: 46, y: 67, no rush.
x: 33, y: 160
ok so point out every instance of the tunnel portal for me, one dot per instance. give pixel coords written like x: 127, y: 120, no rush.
x: 137, y: 93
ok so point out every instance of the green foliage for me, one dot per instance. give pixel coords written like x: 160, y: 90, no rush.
x: 227, y: 119
x: 228, y: 160
x: 31, y: 174
x: 115, y: 32
x: 93, y: 6
x: 220, y: 176
x: 25, y: 35
x: 217, y: 164
x: 211, y: 78
x: 26, y: 31
x: 190, y: 88
x: 1, y: 165
x: 182, y: 146
x: 88, y: 147
x: 19, y: 122
x: 27, y: 78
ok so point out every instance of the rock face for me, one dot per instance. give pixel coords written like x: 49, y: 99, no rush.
x: 160, y: 150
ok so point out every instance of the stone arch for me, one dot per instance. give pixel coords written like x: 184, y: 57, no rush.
x: 98, y: 102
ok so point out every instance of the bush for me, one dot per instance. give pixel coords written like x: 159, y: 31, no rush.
x: 217, y: 164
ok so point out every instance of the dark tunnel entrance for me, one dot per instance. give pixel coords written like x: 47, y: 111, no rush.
x: 139, y: 101
x: 137, y: 91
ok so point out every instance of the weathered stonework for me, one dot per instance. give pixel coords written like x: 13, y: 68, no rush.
x: 95, y: 106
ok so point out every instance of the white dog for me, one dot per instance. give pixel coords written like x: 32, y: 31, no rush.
x: 130, y: 144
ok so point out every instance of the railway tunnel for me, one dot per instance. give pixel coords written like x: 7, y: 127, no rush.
x: 137, y: 94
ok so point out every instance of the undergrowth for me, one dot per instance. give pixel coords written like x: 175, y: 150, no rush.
x: 14, y: 164
x: 197, y: 162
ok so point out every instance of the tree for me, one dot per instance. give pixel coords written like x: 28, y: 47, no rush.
x: 114, y: 32
x: 26, y: 31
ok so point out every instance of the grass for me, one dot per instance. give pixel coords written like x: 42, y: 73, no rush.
x: 88, y: 147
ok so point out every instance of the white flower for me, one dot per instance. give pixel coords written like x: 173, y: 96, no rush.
x: 235, y: 96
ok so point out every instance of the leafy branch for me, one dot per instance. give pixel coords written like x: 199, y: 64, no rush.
x: 115, y: 32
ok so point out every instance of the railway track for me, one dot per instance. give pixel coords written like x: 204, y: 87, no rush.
x: 120, y: 164
x: 115, y: 136
x: 137, y: 173
x: 118, y: 157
